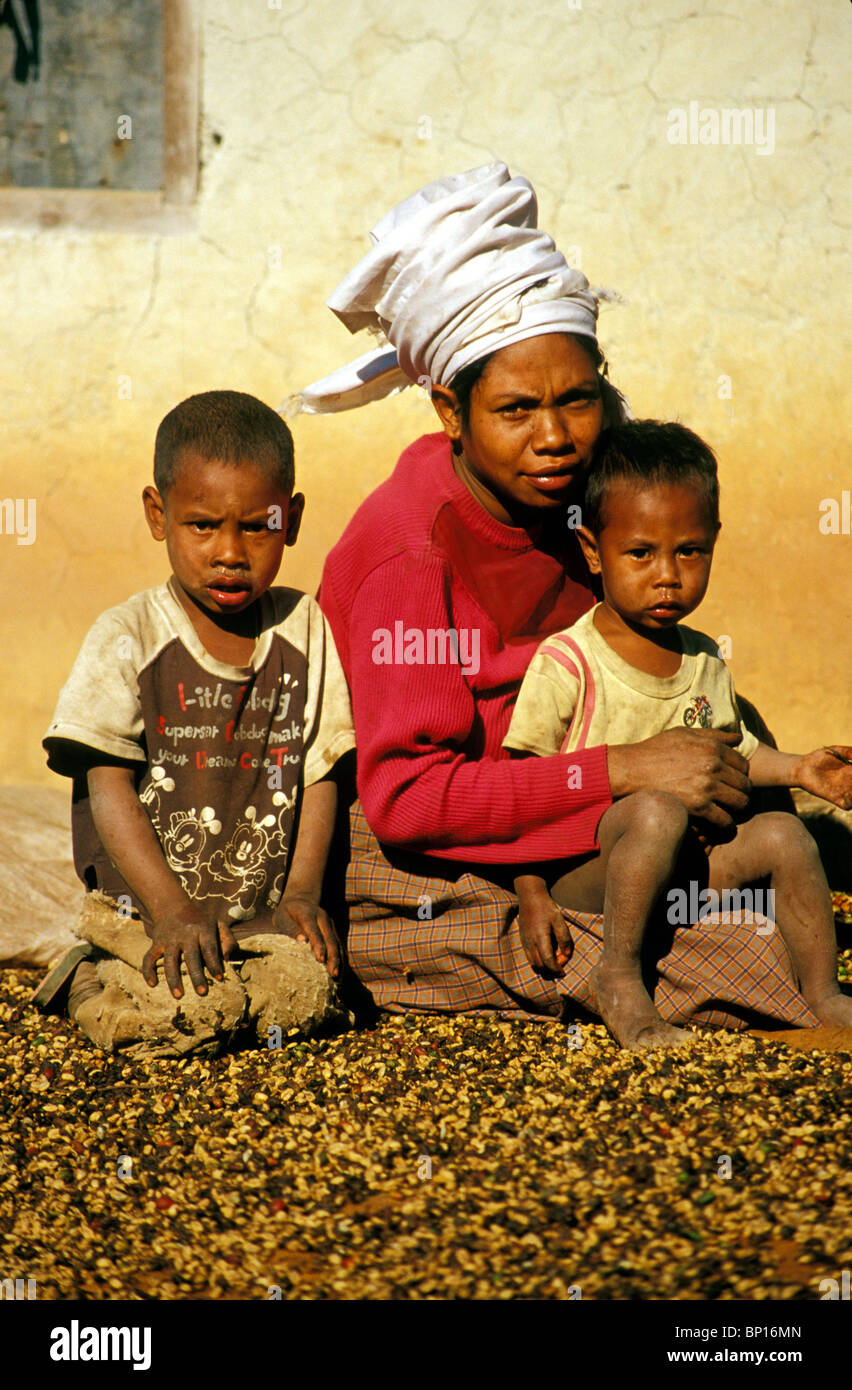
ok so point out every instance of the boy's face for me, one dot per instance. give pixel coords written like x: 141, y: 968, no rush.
x: 653, y: 553
x: 225, y: 526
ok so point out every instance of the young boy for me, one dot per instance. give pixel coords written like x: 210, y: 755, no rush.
x: 628, y: 670
x: 201, y: 724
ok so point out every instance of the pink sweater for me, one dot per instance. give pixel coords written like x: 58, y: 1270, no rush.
x: 420, y: 557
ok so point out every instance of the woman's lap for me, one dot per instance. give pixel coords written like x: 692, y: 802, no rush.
x: 450, y: 944
x: 460, y: 955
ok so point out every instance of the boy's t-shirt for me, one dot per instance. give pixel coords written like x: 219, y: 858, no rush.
x: 222, y: 751
x: 579, y: 693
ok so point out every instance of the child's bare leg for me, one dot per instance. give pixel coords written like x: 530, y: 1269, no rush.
x: 640, y: 837
x: 777, y: 846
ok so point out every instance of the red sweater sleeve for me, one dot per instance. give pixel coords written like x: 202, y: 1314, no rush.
x: 418, y: 788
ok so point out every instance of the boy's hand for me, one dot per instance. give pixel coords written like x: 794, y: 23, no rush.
x: 185, y: 931
x: 827, y: 776
x: 707, y: 836
x: 541, y: 924
x: 176, y: 925
x: 299, y: 915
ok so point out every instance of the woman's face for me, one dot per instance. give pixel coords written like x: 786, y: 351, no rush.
x: 535, y: 415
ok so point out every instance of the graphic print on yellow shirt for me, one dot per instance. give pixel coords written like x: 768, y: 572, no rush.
x: 579, y: 693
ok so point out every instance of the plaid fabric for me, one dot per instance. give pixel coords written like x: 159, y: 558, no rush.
x: 428, y: 936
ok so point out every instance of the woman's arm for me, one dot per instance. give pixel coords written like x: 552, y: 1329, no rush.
x: 419, y: 786
x: 421, y: 790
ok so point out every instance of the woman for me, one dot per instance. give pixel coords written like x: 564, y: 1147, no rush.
x: 438, y: 594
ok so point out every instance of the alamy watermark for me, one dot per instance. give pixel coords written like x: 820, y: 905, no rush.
x: 12, y: 1289
x: 836, y: 1289
x: 76, y: 1343
x: 751, y: 906
x: 18, y: 518
x: 727, y: 125
x: 836, y: 518
x: 432, y: 646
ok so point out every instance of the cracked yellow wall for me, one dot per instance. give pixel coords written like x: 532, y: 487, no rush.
x: 315, y: 119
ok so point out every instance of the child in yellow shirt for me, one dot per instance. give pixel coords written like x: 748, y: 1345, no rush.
x: 628, y: 670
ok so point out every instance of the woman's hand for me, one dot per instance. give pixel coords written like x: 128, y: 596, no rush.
x: 827, y: 775
x: 700, y: 766
x: 299, y: 915
x: 544, y: 932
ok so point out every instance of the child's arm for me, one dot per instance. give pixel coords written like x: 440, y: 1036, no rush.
x: 540, y: 921
x: 823, y: 772
x: 176, y: 925
x: 299, y: 913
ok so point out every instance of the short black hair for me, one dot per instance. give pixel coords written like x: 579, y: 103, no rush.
x: 227, y: 425
x: 464, y: 381
x: 644, y: 453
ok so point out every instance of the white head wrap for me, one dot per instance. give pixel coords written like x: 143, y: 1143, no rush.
x: 456, y: 271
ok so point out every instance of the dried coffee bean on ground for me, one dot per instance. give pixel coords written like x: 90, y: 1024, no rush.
x: 425, y: 1158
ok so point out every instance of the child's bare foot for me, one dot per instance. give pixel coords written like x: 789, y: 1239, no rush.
x: 628, y: 1012
x: 834, y: 1010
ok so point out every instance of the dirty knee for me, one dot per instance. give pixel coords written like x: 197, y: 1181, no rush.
x: 782, y: 835
x: 657, y: 813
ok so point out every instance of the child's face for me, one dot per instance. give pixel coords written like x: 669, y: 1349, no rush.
x: 653, y: 553
x: 225, y: 527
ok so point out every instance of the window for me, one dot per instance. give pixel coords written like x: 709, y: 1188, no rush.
x: 98, y: 113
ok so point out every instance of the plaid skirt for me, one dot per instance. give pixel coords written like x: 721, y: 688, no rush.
x: 430, y: 936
